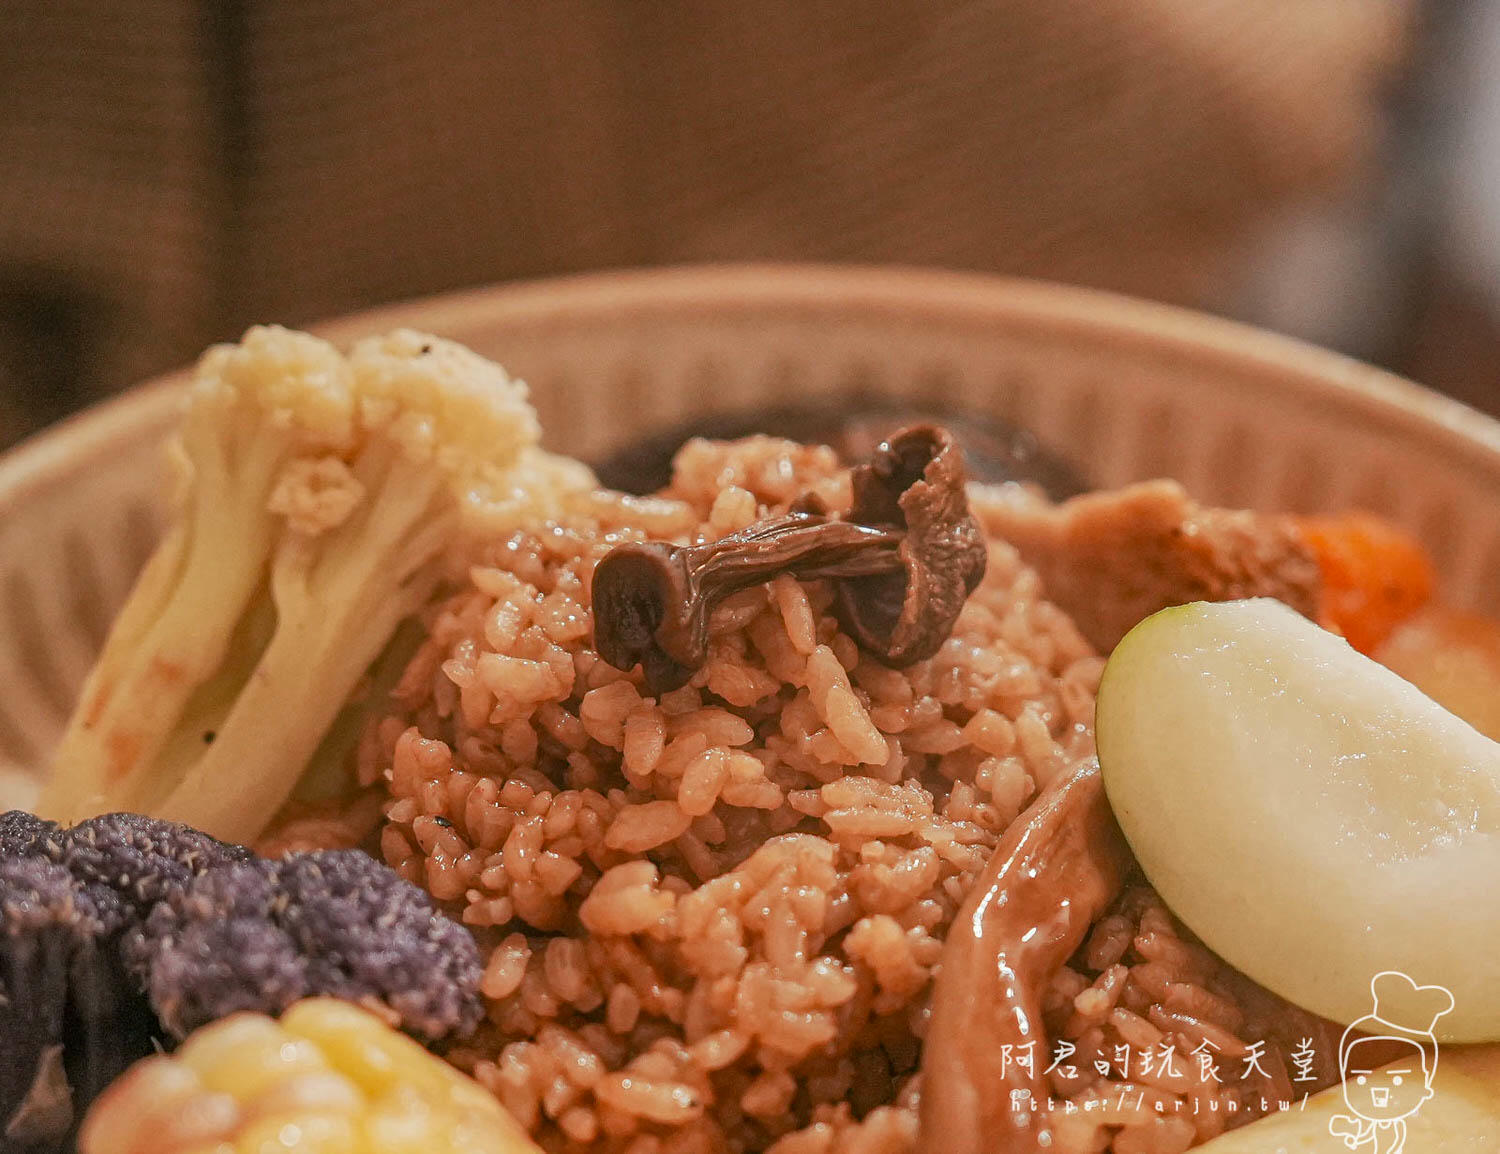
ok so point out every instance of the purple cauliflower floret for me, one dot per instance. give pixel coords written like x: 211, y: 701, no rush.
x: 124, y: 931
x: 21, y: 831
x: 259, y: 935
x: 42, y: 926
x: 123, y: 862
x: 138, y: 860
x: 70, y: 1018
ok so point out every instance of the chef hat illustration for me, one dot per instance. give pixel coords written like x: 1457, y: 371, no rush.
x: 1402, y: 1009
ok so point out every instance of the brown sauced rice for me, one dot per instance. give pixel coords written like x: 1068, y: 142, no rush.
x: 712, y: 920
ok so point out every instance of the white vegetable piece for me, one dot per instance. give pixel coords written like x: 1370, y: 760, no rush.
x: 1463, y: 1116
x: 1311, y: 816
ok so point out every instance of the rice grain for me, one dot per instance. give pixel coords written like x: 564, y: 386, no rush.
x: 713, y: 919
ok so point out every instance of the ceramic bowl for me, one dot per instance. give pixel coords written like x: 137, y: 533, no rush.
x: 1128, y: 389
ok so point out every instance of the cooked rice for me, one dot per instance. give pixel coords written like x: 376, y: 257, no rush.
x: 1142, y: 985
x: 713, y: 918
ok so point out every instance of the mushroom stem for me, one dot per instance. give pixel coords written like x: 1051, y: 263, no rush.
x: 652, y: 601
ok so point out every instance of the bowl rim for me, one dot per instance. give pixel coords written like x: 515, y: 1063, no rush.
x: 760, y: 291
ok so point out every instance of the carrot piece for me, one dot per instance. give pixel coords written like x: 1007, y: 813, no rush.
x: 1375, y: 575
x: 1453, y: 657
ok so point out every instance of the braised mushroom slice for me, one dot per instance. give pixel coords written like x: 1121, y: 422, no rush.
x: 903, y: 562
x: 1056, y: 870
x: 652, y: 601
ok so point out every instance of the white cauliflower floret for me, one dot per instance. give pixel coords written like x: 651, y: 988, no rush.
x: 315, y: 494
x: 435, y: 397
x: 318, y: 496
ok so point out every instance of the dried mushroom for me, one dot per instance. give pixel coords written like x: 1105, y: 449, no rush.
x: 903, y: 562
x: 916, y: 481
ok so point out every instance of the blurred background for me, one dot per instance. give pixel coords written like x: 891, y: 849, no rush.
x: 173, y: 170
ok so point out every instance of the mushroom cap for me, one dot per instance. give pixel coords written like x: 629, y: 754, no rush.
x: 916, y: 480
x: 643, y: 604
x: 903, y: 563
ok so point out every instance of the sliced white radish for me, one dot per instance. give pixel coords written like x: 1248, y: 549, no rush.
x: 1311, y: 816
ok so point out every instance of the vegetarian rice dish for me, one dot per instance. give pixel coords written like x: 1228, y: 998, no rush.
x: 429, y: 796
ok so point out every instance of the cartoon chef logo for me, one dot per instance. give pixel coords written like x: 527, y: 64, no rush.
x: 1388, y: 1059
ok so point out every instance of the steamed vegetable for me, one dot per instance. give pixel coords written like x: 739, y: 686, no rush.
x: 1454, y: 658
x: 328, y: 1078
x: 71, y: 1016
x: 317, y: 495
x: 125, y: 930
x: 1310, y: 815
x: 1374, y: 575
x: 69, y: 1021
x: 259, y: 935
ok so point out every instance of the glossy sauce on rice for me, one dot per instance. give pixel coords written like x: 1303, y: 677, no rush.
x: 713, y: 918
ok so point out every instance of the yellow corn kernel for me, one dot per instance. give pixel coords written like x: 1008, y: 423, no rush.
x: 246, y: 1054
x: 315, y: 1133
x: 314, y: 1092
x: 329, y: 1078
x: 158, y: 1106
x: 359, y: 1045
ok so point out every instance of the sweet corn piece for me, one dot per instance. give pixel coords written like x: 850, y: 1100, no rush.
x: 328, y: 1078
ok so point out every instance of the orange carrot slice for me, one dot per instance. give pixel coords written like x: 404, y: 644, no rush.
x: 1375, y: 575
